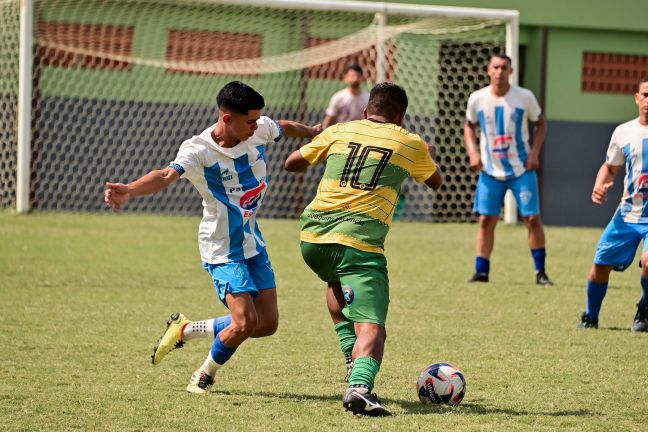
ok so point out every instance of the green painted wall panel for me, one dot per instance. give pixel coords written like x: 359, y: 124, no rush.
x: 565, y: 99
x: 601, y: 14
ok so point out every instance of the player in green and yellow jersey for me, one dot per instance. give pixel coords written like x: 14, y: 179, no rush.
x: 343, y: 230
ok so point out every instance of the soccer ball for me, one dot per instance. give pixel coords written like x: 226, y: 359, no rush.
x: 441, y: 383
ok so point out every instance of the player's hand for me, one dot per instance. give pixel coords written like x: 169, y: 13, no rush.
x: 475, y: 162
x: 599, y: 193
x: 532, y: 162
x: 318, y: 128
x: 116, y: 195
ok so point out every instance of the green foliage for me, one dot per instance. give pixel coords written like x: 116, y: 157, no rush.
x: 84, y: 297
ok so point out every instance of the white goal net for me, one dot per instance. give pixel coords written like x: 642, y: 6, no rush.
x: 119, y: 84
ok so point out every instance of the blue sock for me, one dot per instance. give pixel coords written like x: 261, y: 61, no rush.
x: 221, y: 353
x: 595, y: 295
x: 482, y: 265
x: 644, y: 296
x: 539, y: 256
x: 221, y: 322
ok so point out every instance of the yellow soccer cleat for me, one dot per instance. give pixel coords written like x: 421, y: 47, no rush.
x: 200, y: 382
x: 172, y: 337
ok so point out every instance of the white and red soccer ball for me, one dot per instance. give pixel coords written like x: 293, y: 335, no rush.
x: 441, y: 383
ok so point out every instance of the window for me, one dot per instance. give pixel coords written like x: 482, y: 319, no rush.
x: 201, y: 45
x: 333, y: 70
x: 72, y: 45
x: 613, y: 73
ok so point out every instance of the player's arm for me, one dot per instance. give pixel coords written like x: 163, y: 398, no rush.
x: 604, y: 181
x: 296, y: 162
x: 328, y: 121
x: 470, y: 139
x: 299, y: 130
x: 540, y: 132
x: 117, y: 194
x: 435, y: 181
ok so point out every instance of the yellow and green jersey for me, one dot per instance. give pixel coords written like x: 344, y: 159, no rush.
x: 366, y: 164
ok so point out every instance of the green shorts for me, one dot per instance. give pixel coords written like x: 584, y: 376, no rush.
x: 363, y: 276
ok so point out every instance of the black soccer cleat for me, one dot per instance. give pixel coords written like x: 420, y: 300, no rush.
x: 588, y: 322
x: 363, y: 404
x: 640, y: 323
x: 479, y: 277
x: 543, y: 279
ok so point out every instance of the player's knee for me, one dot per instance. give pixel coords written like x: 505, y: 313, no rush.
x: 268, y: 327
x: 487, y: 222
x: 245, y: 324
x: 600, y: 273
x: 533, y: 222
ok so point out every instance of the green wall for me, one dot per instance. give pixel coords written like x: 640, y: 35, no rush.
x: 600, y: 14
x: 565, y: 100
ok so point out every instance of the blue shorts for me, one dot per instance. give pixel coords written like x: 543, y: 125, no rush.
x: 489, y: 196
x: 248, y: 276
x: 618, y: 244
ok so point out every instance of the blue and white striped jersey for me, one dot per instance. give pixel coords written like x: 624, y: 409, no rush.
x: 232, y: 183
x: 629, y: 147
x: 504, y: 141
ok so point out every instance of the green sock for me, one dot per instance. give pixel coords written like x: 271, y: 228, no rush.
x: 346, y: 336
x: 364, y: 372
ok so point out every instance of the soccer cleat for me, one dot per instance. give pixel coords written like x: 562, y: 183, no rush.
x: 543, y: 279
x: 479, y: 277
x: 171, y: 339
x: 200, y: 382
x: 363, y: 404
x: 588, y: 322
x: 640, y: 323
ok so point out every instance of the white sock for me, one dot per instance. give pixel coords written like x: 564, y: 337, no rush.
x: 197, y: 329
x: 210, y: 366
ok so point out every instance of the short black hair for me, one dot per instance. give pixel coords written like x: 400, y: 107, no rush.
x: 501, y: 56
x: 354, y: 67
x: 388, y: 100
x: 239, y: 97
x: 643, y: 80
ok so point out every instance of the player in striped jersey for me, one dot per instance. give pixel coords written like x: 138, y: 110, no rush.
x: 344, y: 228
x: 505, y: 160
x: 226, y: 163
x: 629, y: 225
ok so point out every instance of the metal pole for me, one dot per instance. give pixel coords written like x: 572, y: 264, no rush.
x: 381, y: 60
x: 510, y: 206
x: 23, y: 171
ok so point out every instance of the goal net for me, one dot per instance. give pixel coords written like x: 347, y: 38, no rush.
x: 119, y: 84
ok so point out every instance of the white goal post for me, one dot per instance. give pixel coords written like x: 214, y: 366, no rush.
x: 384, y: 28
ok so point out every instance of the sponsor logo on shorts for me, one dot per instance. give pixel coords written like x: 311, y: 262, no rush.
x: 349, y: 295
x: 525, y: 196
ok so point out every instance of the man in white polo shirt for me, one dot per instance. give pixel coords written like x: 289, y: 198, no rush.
x: 348, y: 104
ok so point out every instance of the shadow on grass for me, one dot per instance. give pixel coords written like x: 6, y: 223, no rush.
x: 476, y: 408
x: 415, y: 407
x: 623, y: 329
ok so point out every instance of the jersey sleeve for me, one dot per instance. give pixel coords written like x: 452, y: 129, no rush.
x: 424, y: 166
x: 533, y: 108
x: 471, y: 109
x: 615, y: 154
x: 189, y: 159
x: 269, y: 130
x: 317, y: 150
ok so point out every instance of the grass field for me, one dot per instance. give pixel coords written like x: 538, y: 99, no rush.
x: 83, y: 299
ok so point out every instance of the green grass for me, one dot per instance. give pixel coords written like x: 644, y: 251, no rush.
x: 84, y: 297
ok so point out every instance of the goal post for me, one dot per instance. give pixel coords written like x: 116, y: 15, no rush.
x: 110, y: 88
